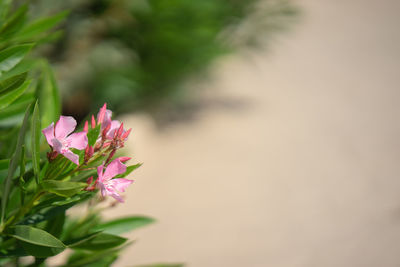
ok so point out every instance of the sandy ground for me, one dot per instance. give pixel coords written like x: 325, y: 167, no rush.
x: 306, y: 173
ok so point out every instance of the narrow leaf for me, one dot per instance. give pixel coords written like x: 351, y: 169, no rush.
x: 93, y: 134
x: 63, y: 188
x: 41, y: 25
x: 35, y: 139
x: 10, y: 97
x: 14, y: 163
x: 81, y: 240
x: 15, y: 22
x: 123, y: 225
x: 12, y: 83
x: 40, y: 251
x: 22, y: 67
x: 36, y: 236
x: 12, y: 56
x: 101, y: 242
x: 49, y: 99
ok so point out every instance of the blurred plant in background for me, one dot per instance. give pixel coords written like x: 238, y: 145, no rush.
x: 137, y: 54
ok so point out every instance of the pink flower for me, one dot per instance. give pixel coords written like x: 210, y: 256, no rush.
x: 110, y: 126
x: 109, y: 186
x: 60, y: 140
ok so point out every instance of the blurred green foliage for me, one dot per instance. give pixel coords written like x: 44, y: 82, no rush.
x: 136, y: 55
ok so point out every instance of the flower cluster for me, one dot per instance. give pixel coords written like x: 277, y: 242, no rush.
x: 110, y: 136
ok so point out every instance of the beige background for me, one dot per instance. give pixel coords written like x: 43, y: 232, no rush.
x: 304, y: 173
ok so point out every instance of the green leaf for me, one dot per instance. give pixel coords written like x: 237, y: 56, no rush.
x: 101, y: 242
x: 10, y: 57
x: 63, y: 188
x: 41, y: 25
x: 10, y: 97
x: 102, y: 258
x: 123, y: 225
x: 49, y: 98
x: 129, y: 169
x: 40, y: 251
x: 55, y: 225
x: 35, y: 236
x: 13, y: 24
x: 12, y: 83
x: 4, y: 7
x: 22, y: 67
x: 4, y: 163
x: 35, y: 139
x: 81, y: 240
x: 14, y: 163
x: 93, y: 134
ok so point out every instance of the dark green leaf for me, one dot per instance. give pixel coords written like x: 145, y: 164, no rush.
x: 123, y: 225
x: 47, y: 213
x: 101, y: 242
x: 93, y: 134
x: 81, y: 240
x: 10, y: 57
x: 4, y: 163
x: 35, y: 139
x: 63, y: 188
x: 10, y: 97
x: 40, y: 251
x: 55, y: 225
x: 35, y: 236
x: 14, y: 163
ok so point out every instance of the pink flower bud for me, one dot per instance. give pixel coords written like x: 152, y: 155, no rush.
x: 126, y: 134
x: 86, y: 127
x: 105, y: 131
x: 112, y: 153
x: 93, y: 122
x: 120, y: 129
x: 124, y: 159
x: 102, y: 113
x: 106, y: 144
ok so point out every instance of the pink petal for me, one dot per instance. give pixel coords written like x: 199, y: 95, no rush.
x: 114, y: 127
x: 65, y: 126
x: 101, y: 114
x: 57, y: 145
x: 113, y: 169
x: 49, y: 133
x: 100, y: 172
x: 71, y: 156
x: 103, y: 190
x: 121, y: 184
x: 78, y: 140
x: 116, y: 196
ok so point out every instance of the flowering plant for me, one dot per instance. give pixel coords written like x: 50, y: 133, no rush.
x: 78, y: 165
x: 40, y: 182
